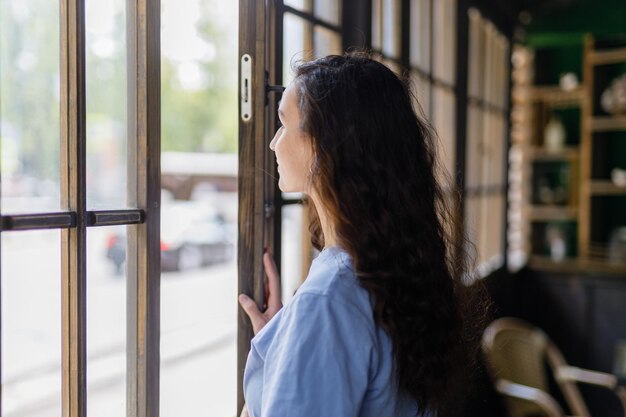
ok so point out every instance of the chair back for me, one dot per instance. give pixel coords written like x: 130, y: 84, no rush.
x: 516, y: 351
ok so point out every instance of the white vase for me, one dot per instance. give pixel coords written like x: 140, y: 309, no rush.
x: 554, y: 135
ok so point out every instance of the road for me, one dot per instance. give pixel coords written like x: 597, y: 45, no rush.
x: 198, y: 325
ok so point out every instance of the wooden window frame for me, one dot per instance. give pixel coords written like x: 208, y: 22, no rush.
x: 260, y: 200
x: 143, y: 196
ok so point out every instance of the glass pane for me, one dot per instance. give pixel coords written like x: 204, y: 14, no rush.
x: 106, y: 103
x: 474, y: 147
x: 199, y: 76
x: 497, y: 139
x: 493, y: 254
x: 473, y: 226
x: 304, y: 5
x: 328, y: 10
x: 502, y: 68
x: 421, y: 90
x: 377, y: 24
x: 444, y: 25
x: 326, y: 42
x: 420, y: 34
x: 294, y: 231
x: 31, y: 323
x: 475, y: 73
x: 106, y: 321
x: 29, y: 106
x: 391, y: 28
x: 199, y: 208
x: 297, y: 43
x: 444, y: 121
x: 198, y: 306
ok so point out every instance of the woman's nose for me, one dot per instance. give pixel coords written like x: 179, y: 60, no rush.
x: 273, y: 142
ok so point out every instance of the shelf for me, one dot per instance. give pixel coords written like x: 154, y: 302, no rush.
x: 576, y: 265
x: 605, y: 187
x: 607, y: 57
x: 555, y: 96
x: 608, y: 123
x: 569, y: 153
x: 549, y: 213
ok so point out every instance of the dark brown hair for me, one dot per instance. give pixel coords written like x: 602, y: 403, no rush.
x: 375, y: 172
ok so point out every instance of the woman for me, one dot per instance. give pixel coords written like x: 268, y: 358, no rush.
x: 379, y: 326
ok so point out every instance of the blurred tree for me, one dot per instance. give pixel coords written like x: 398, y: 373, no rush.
x: 203, y: 117
x: 200, y: 117
x: 29, y: 84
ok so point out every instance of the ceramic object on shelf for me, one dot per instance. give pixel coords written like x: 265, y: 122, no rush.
x: 613, y: 99
x: 568, y: 81
x: 556, y: 243
x: 554, y: 135
x: 618, y: 176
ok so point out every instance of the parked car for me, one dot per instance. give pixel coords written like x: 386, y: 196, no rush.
x: 193, y: 234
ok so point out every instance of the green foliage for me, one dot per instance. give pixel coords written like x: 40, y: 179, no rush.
x: 204, y: 119
x: 29, y: 83
x: 193, y: 119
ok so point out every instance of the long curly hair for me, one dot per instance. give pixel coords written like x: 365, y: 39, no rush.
x: 376, y: 174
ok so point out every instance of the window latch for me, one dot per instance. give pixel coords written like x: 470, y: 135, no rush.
x: 246, y: 88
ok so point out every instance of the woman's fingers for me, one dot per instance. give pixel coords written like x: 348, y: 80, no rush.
x: 272, y: 295
x: 273, y: 280
x: 252, y: 310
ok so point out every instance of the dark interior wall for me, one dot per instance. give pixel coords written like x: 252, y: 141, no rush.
x: 584, y: 314
x: 566, y: 24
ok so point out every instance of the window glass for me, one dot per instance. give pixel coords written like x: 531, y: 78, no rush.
x: 474, y: 147
x: 31, y: 323
x: 304, y: 5
x: 199, y: 207
x: 420, y: 34
x: 29, y: 106
x: 326, y: 42
x: 377, y: 23
x: 444, y: 40
x: 421, y: 90
x: 444, y: 121
x: 476, y: 49
x: 106, y: 103
x: 106, y: 321
x: 391, y: 28
x: 297, y: 44
x: 328, y: 10
x: 294, y: 231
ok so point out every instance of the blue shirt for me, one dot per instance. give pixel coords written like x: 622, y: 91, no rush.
x: 322, y: 355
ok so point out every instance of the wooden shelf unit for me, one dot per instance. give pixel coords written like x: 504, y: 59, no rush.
x: 607, y: 57
x: 569, y: 153
x: 550, y: 213
x: 608, y: 123
x: 605, y: 187
x: 589, y: 161
x: 556, y: 97
x: 596, y: 125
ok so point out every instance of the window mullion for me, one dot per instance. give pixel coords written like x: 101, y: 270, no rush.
x: 144, y: 192
x: 73, y: 192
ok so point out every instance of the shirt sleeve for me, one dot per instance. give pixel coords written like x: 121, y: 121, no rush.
x: 318, y: 362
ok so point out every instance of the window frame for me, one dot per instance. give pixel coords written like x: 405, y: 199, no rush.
x: 142, y: 218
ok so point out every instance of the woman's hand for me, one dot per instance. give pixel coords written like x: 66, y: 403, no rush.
x: 272, y: 297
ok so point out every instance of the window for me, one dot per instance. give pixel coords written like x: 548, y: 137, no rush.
x: 65, y: 122
x: 486, y: 147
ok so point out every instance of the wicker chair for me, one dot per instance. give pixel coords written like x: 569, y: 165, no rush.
x: 516, y: 354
